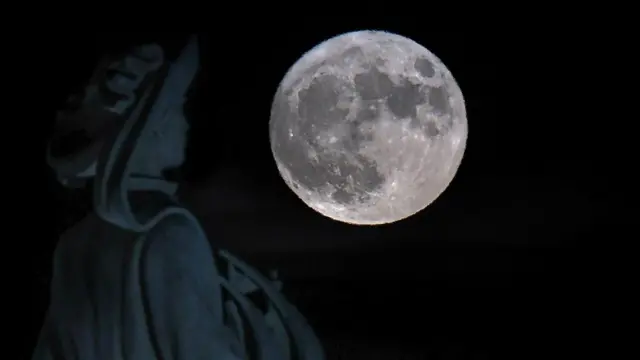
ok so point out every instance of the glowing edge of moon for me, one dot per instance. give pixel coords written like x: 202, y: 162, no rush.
x: 412, y: 50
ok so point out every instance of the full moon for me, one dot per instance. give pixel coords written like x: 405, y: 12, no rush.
x: 368, y: 127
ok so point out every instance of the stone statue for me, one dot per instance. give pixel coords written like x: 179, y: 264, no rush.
x: 137, y: 278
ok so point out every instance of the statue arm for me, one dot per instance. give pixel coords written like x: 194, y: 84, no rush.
x: 182, y: 293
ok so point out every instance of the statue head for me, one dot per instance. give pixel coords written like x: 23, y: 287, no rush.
x: 125, y: 98
x: 124, y: 130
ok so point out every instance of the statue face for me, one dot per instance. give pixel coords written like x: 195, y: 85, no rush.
x: 162, y: 146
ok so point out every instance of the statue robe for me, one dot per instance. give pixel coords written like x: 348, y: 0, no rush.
x: 118, y: 294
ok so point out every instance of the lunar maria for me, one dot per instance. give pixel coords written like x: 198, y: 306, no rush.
x: 368, y: 127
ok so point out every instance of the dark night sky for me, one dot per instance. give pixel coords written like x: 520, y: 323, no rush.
x: 495, y: 265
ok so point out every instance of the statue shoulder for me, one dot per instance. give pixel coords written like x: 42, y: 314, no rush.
x: 181, y: 222
x: 177, y: 232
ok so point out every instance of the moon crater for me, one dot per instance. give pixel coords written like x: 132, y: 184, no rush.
x: 368, y: 128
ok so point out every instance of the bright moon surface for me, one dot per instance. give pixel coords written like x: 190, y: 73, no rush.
x: 368, y: 127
